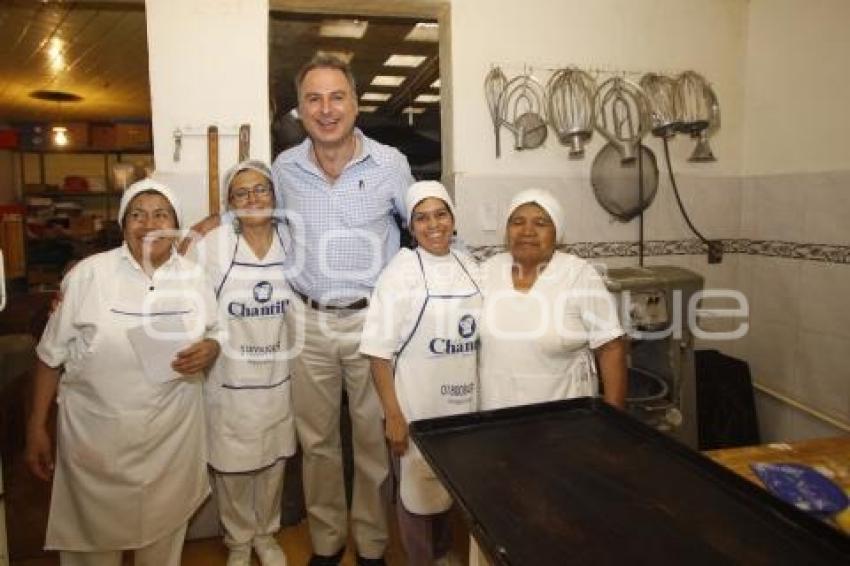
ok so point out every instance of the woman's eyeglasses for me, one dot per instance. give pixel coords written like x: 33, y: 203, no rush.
x: 242, y: 194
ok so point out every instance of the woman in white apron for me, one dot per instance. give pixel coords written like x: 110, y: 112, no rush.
x: 250, y: 425
x: 130, y: 464
x: 548, y: 321
x: 421, y: 334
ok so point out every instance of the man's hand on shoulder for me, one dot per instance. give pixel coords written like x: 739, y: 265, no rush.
x: 197, y: 232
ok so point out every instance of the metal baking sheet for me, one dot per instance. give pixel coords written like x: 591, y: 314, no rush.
x: 577, y: 482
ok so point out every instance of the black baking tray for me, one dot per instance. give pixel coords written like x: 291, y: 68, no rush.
x: 577, y: 482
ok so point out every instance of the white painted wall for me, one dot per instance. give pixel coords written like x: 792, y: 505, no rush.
x: 208, y: 66
x: 796, y: 107
x: 667, y: 36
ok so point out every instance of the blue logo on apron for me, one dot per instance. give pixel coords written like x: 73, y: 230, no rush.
x: 263, y: 291
x: 466, y: 326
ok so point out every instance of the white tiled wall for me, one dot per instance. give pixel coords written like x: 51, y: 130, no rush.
x: 799, y: 344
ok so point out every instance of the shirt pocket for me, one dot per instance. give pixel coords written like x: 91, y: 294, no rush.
x: 357, y: 208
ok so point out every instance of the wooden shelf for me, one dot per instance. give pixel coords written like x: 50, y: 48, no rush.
x: 89, y: 150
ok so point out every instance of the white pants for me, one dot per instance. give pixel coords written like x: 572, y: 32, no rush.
x: 163, y: 552
x: 249, y: 503
x: 329, y: 362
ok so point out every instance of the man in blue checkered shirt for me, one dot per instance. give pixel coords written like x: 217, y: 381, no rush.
x: 339, y: 190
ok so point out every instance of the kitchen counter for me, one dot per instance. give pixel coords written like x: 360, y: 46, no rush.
x: 830, y: 456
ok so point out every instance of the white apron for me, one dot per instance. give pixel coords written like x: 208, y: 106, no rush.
x: 248, y: 392
x: 436, y: 375
x: 130, y: 460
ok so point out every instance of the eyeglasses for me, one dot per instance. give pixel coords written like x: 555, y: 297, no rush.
x: 259, y: 191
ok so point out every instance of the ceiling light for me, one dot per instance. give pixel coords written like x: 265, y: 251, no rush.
x: 345, y: 56
x: 353, y: 29
x: 387, y: 80
x: 60, y: 136
x: 375, y: 96
x: 427, y: 98
x: 404, y: 60
x: 424, y: 31
x: 435, y: 84
x: 413, y: 110
x: 54, y: 54
x: 367, y: 108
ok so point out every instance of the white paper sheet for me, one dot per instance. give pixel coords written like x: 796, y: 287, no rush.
x: 156, y: 344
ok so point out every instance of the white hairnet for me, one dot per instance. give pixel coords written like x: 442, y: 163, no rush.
x: 546, y: 201
x: 246, y: 165
x: 149, y: 185
x: 421, y: 190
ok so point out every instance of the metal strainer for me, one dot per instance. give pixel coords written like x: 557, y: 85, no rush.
x: 617, y: 183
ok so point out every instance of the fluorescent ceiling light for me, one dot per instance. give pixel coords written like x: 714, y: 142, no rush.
x: 424, y: 31
x: 435, y: 84
x: 346, y: 56
x: 353, y: 29
x: 367, y: 108
x: 404, y: 60
x: 375, y: 96
x: 413, y: 110
x: 387, y: 80
x: 427, y: 98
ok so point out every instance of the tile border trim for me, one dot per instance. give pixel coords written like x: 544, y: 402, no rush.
x: 826, y: 253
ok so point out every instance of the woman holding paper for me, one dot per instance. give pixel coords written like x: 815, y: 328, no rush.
x: 130, y: 465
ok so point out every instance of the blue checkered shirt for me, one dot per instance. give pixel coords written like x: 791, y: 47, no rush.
x: 342, y: 234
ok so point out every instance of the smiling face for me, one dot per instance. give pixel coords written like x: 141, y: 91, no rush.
x: 531, y: 235
x: 327, y: 106
x: 147, y: 216
x: 251, y: 197
x: 432, y: 225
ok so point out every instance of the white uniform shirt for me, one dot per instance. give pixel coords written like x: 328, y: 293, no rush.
x: 130, y: 465
x: 536, y: 345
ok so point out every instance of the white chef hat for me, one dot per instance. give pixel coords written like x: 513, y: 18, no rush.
x: 421, y: 190
x: 246, y: 165
x: 546, y: 201
x: 149, y: 184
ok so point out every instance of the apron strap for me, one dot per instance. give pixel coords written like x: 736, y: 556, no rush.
x: 421, y: 310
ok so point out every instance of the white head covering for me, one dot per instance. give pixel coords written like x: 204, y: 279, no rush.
x: 421, y: 190
x: 148, y: 185
x: 246, y: 165
x: 546, y: 201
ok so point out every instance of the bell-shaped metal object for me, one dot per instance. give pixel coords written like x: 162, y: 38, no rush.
x: 569, y: 108
x: 620, y: 110
x: 700, y: 113
x: 664, y: 103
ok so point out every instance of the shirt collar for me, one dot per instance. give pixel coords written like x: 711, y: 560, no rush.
x: 126, y: 255
x: 300, y: 154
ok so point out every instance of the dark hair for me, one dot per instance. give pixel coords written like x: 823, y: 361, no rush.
x: 149, y: 192
x: 322, y: 60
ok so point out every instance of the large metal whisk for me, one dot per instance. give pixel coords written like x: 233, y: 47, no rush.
x: 699, y: 113
x: 494, y: 86
x: 664, y: 104
x: 569, y: 107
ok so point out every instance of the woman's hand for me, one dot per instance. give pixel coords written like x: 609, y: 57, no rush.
x: 38, y: 454
x: 196, y: 358
x: 396, y: 433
